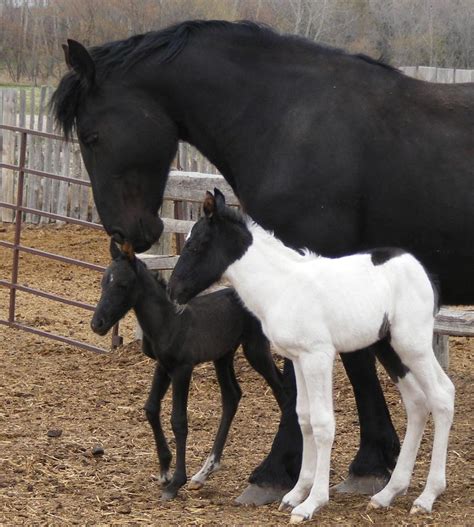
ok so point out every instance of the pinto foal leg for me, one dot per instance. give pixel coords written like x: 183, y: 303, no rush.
x: 417, y: 413
x: 440, y: 398
x: 308, y: 463
x: 317, y: 370
x: 159, y: 387
x: 231, y: 394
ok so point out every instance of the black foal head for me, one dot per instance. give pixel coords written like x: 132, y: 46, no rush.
x: 216, y: 241
x: 119, y: 288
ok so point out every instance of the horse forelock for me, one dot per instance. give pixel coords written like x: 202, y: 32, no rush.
x: 121, y: 55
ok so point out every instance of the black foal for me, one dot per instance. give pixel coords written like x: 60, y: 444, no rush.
x: 210, y: 328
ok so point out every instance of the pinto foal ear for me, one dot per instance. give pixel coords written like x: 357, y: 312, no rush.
x: 220, y: 200
x: 115, y: 252
x: 79, y: 59
x: 209, y: 205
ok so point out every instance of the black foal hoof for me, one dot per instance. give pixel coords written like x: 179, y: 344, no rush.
x: 261, y: 495
x: 360, y: 485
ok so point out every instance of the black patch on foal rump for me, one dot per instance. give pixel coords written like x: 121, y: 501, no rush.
x: 384, y: 254
x: 390, y: 360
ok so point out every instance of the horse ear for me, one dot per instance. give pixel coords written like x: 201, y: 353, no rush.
x: 209, y: 205
x: 220, y: 200
x: 81, y: 62
x: 115, y: 252
x: 66, y: 55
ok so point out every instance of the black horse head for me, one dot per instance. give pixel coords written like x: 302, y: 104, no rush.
x: 119, y: 289
x: 217, y: 240
x: 127, y: 142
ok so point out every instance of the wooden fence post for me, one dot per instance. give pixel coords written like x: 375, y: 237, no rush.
x: 441, y: 350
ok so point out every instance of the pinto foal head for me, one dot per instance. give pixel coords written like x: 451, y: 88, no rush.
x: 216, y: 241
x: 119, y: 288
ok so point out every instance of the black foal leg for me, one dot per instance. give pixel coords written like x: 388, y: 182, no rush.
x: 180, y: 379
x: 161, y: 382
x: 256, y: 349
x: 379, y: 444
x: 230, y: 394
x: 278, y: 473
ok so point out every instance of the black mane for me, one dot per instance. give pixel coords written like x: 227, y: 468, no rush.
x: 121, y: 55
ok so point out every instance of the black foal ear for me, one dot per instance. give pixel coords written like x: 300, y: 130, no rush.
x: 209, y: 205
x: 220, y: 200
x: 115, y: 252
x: 127, y: 250
x: 79, y: 59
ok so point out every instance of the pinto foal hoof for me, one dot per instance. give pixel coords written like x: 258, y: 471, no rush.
x: 296, y: 518
x: 373, y: 505
x: 284, y: 507
x: 418, y: 509
x: 261, y: 495
x: 195, y: 484
x: 360, y: 485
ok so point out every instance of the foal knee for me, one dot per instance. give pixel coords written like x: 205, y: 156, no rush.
x: 323, y: 427
x: 179, y: 425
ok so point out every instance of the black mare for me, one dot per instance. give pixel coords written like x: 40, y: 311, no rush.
x: 210, y: 328
x: 332, y: 151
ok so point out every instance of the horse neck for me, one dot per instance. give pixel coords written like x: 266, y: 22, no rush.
x: 155, y: 313
x: 257, y: 274
x: 217, y: 116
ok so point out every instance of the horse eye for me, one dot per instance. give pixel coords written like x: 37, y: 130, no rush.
x: 90, y: 139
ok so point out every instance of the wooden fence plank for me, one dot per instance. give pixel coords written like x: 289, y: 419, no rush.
x: 445, y: 75
x: 463, y: 76
x: 450, y: 322
x: 56, y: 169
x: 63, y: 197
x: 441, y: 350
x: 48, y: 159
x: 84, y: 192
x: 31, y: 181
x: 74, y: 205
x: 8, y: 153
x: 192, y: 186
x: 426, y: 73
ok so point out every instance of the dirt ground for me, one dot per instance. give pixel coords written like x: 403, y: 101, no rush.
x: 98, y: 399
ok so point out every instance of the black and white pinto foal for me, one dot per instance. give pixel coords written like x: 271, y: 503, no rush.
x: 210, y: 328
x: 312, y: 308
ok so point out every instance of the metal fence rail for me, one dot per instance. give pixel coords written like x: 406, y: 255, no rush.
x: 19, y: 210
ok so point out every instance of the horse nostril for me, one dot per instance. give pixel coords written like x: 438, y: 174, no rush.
x: 96, y: 325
